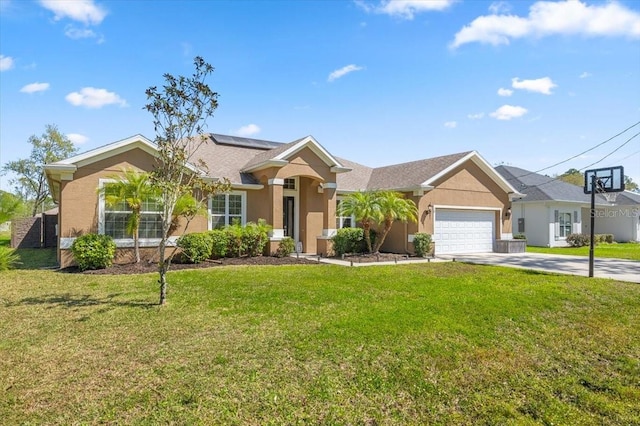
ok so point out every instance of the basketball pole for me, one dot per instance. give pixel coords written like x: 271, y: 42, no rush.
x: 593, y: 223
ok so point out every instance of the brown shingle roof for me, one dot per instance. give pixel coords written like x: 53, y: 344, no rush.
x: 411, y: 174
x: 355, y: 180
x: 269, y: 155
x: 228, y: 160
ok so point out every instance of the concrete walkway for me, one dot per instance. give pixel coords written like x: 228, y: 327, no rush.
x: 401, y: 260
x: 616, y: 269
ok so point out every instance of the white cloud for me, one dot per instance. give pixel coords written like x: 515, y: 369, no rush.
x: 6, y: 63
x: 85, y: 11
x: 476, y: 116
x: 548, y: 18
x: 90, y: 97
x: 507, y: 112
x: 35, y: 87
x: 585, y: 75
x: 406, y: 9
x: 78, y: 33
x: 499, y: 7
x: 505, y: 92
x: 343, y: 71
x: 248, y: 130
x: 540, y: 85
x: 451, y: 124
x: 77, y: 139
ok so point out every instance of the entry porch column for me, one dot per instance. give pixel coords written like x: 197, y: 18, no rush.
x: 324, y: 244
x: 275, y: 213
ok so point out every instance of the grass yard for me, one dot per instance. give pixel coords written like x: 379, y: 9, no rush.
x: 630, y: 251
x: 438, y: 343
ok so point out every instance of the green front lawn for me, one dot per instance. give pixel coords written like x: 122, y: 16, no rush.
x: 437, y: 343
x: 629, y: 251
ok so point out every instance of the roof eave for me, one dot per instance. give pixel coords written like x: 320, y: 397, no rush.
x: 265, y: 165
x: 340, y: 169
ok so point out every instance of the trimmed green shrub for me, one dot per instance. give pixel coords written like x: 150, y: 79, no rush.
x: 9, y: 259
x: 286, y: 247
x: 578, y: 240
x: 235, y: 242
x: 347, y: 240
x: 603, y: 238
x: 196, y: 247
x: 255, y: 237
x: 219, y: 243
x: 519, y: 237
x: 422, y: 244
x: 93, y: 251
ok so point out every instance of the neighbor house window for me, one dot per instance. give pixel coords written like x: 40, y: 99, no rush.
x: 564, y: 222
x: 116, y: 216
x: 225, y: 209
x: 343, y: 221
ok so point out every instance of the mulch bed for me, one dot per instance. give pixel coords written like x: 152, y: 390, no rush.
x: 145, y: 267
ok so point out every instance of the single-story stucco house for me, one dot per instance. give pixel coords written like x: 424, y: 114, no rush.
x: 553, y: 209
x: 296, y: 187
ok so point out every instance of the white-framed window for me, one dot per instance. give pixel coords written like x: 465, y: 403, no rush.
x: 224, y: 209
x: 289, y: 183
x: 563, y: 224
x: 343, y: 221
x: 114, y: 218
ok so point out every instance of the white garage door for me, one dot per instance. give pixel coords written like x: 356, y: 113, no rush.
x: 464, y: 231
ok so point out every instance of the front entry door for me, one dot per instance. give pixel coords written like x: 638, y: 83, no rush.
x: 288, y: 216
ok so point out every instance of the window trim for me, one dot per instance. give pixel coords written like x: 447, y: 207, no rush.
x: 243, y: 218
x: 340, y: 219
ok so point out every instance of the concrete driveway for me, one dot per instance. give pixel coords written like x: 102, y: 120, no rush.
x: 622, y: 270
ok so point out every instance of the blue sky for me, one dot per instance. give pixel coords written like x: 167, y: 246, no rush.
x: 524, y: 83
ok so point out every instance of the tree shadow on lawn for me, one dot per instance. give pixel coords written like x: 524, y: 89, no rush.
x: 76, y: 302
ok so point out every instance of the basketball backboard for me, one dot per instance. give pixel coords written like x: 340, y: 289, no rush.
x: 608, y: 179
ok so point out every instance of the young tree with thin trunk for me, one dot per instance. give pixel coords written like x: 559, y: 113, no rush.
x: 180, y: 109
x: 31, y: 182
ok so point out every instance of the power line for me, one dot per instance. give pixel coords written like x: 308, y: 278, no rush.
x: 612, y: 152
x: 586, y: 167
x: 582, y: 153
x: 592, y: 148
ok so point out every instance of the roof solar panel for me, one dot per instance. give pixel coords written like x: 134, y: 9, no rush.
x: 244, y: 142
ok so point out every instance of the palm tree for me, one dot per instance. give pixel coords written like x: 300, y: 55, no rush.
x: 393, y: 206
x: 133, y: 189
x: 365, y: 208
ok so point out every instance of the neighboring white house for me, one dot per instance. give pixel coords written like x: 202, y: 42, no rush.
x: 553, y: 209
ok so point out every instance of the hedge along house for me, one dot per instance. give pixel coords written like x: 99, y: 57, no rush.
x: 296, y: 188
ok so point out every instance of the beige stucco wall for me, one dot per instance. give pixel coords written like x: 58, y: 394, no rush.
x: 467, y: 187
x: 79, y: 201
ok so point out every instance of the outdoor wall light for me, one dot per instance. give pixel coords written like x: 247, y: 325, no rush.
x: 508, y: 212
x: 429, y: 208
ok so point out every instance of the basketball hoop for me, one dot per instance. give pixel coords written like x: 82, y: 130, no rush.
x: 606, y: 182
x: 610, y: 197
